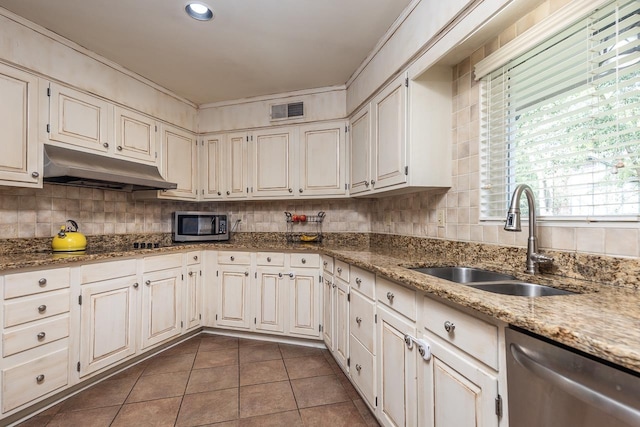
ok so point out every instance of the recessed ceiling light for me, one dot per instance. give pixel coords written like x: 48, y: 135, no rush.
x: 199, y: 11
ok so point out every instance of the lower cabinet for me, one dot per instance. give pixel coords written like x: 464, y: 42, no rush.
x: 340, y: 308
x: 304, y: 303
x: 161, y: 306
x: 107, y: 322
x: 271, y: 299
x: 193, y: 297
x: 397, y: 385
x: 327, y: 310
x: 234, y: 297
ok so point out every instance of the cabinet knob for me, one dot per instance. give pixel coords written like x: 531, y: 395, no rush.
x: 42, y: 282
x: 358, y: 367
x: 390, y: 296
x: 358, y: 281
x: 303, y: 260
x: 358, y: 320
x: 372, y: 182
x: 291, y: 190
x: 324, y: 263
x: 228, y: 192
x: 119, y: 147
x: 279, y: 274
x: 219, y: 193
x: 300, y: 190
x: 148, y: 282
x: 246, y: 273
x: 41, y: 335
x: 191, y: 273
x: 40, y: 378
x: 195, y: 257
x: 105, y: 145
x: 334, y: 285
x: 291, y: 275
x: 268, y: 259
x: 449, y: 326
x: 366, y: 184
x: 232, y: 258
x: 339, y: 270
x: 42, y: 308
x: 35, y: 174
x: 135, y: 285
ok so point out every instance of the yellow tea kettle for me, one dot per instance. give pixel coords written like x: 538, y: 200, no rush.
x: 69, y: 239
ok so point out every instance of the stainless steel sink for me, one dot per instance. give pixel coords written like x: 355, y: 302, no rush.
x: 522, y: 289
x: 464, y: 274
x: 491, y: 281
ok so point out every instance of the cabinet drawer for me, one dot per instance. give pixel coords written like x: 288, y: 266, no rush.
x: 34, y: 334
x: 24, y: 383
x: 107, y: 270
x: 305, y: 260
x: 401, y: 299
x: 327, y: 264
x: 162, y: 262
x: 364, y: 281
x: 194, y: 257
x: 341, y: 270
x: 363, y: 370
x: 270, y: 258
x: 473, y: 336
x: 362, y: 320
x: 27, y: 309
x: 239, y: 258
x: 33, y: 282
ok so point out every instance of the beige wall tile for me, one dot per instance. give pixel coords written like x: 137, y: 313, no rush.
x: 590, y: 240
x: 621, y: 242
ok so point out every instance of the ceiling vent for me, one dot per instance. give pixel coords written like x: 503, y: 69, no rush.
x: 287, y: 111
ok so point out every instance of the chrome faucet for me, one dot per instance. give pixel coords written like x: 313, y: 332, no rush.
x: 513, y: 224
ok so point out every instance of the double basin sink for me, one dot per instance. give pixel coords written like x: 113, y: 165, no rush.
x: 491, y: 281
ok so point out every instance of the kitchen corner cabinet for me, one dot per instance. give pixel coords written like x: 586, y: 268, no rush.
x: 272, y: 162
x: 213, y: 164
x: 136, y: 136
x: 360, y: 151
x: 327, y: 301
x: 20, y: 164
x: 340, y: 314
x: 305, y: 296
x: 322, y: 166
x: 193, y: 290
x: 161, y: 299
x: 179, y: 163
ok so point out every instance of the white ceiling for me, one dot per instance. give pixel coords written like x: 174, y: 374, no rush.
x: 250, y: 48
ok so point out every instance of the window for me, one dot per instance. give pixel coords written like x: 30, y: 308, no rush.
x: 565, y: 119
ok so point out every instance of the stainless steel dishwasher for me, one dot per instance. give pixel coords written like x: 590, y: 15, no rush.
x: 550, y: 385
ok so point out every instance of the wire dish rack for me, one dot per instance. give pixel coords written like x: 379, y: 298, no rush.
x: 304, y: 228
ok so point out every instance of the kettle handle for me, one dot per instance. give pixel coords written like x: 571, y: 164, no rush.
x: 71, y: 223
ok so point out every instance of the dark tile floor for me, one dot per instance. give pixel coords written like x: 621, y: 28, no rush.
x: 213, y: 380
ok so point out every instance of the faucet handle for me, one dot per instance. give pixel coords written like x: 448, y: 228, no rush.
x: 541, y: 258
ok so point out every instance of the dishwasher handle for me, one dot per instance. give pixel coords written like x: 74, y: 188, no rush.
x: 574, y: 387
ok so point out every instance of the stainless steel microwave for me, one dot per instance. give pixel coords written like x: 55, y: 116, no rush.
x: 194, y: 226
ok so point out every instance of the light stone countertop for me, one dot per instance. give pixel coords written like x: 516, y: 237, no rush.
x: 601, y: 320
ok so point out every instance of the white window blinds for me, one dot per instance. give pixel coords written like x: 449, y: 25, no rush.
x: 565, y: 119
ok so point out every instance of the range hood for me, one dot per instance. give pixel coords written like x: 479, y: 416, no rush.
x: 71, y: 167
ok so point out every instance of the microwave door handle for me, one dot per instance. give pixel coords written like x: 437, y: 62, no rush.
x: 216, y: 224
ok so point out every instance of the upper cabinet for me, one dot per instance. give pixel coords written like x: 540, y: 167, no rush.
x: 401, y: 140
x: 272, y: 154
x: 179, y: 162
x: 236, y: 174
x: 136, y: 136
x: 20, y: 163
x: 321, y: 168
x: 212, y: 162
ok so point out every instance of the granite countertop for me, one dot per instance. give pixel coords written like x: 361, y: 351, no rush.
x: 601, y: 320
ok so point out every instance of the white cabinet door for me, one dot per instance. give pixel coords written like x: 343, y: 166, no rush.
x: 271, y: 300
x: 20, y: 163
x: 322, y: 159
x: 179, y: 163
x: 327, y: 311
x: 397, y: 385
x: 107, y: 323
x: 193, y: 303
x: 161, y: 306
x: 212, y: 166
x: 236, y: 180
x: 389, y: 114
x: 455, y: 391
x: 79, y: 119
x: 341, y: 319
x: 234, y: 297
x: 273, y: 162
x: 360, y: 151
x: 136, y: 136
x: 304, y: 303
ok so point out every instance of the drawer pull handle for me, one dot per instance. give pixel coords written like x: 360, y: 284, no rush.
x: 449, y: 326
x: 195, y: 257
x: 233, y: 258
x: 304, y: 261
x: 358, y: 281
x: 339, y: 270
x: 268, y: 259
x: 42, y: 308
x: 358, y: 368
x: 191, y: 273
x: 40, y: 378
x: 42, y: 282
x: 390, y: 296
x: 41, y: 335
x: 148, y: 282
x: 135, y: 285
x: 358, y: 320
